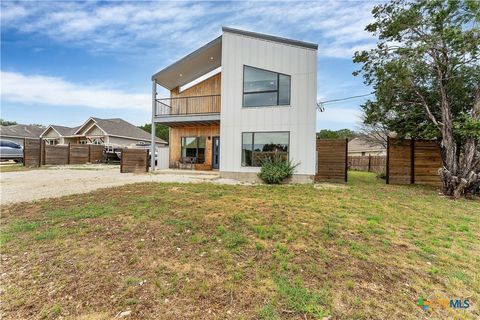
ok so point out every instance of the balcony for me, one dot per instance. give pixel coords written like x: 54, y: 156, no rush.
x: 183, y: 110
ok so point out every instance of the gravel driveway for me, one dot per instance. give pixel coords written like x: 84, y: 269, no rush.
x: 59, y: 181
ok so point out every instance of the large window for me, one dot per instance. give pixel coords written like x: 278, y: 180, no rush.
x: 257, y: 146
x: 265, y: 88
x: 193, y: 149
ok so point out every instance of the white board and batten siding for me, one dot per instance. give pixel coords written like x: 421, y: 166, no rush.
x: 163, y: 158
x: 299, y: 118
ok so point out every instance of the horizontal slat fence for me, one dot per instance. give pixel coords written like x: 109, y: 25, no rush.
x: 134, y: 160
x: 55, y: 155
x: 36, y: 153
x: 375, y: 164
x: 331, y: 160
x: 32, y: 152
x: 79, y: 153
x: 427, y: 161
x: 95, y: 153
x: 413, y: 161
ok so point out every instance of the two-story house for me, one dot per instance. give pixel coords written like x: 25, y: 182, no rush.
x: 261, y: 101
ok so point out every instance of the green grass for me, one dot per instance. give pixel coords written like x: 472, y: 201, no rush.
x: 364, y: 250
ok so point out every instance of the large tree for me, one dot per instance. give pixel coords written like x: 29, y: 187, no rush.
x: 426, y: 73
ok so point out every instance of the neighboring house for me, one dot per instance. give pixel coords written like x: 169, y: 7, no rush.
x: 261, y: 102
x: 116, y: 132
x: 360, y: 147
x: 54, y: 134
x: 18, y: 132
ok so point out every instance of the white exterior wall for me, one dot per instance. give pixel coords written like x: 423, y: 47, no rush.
x: 299, y: 118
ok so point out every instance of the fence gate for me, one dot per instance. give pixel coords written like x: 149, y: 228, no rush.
x: 332, y: 156
x: 134, y: 160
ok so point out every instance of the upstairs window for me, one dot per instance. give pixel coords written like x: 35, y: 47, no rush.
x: 265, y: 88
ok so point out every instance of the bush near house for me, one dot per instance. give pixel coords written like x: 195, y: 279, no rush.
x: 276, y: 169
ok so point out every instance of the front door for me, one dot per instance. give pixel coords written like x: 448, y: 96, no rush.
x: 215, y: 152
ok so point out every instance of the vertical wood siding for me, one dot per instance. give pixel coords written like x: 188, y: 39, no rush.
x: 176, y: 133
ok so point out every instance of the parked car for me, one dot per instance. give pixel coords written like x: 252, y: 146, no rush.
x: 10, y: 150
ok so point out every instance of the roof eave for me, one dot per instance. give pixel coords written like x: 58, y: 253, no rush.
x: 308, y: 45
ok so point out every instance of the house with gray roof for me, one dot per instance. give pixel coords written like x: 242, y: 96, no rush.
x: 17, y: 133
x: 114, y: 132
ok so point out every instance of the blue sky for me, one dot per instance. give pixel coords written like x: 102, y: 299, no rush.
x: 62, y: 62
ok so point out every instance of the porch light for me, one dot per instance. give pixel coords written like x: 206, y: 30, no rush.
x: 181, y: 75
x: 211, y: 58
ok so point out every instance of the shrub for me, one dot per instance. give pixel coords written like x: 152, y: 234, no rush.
x: 276, y: 169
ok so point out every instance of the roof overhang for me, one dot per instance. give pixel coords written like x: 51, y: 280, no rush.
x: 189, y: 120
x: 192, y: 66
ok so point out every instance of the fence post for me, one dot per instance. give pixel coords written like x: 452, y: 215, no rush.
x: 122, y: 153
x: 24, y: 145
x: 68, y: 157
x: 346, y: 159
x: 387, y: 169
x: 89, y: 153
x: 147, y: 164
x: 42, y: 152
x: 369, y: 162
x: 43, y: 144
x: 412, y: 161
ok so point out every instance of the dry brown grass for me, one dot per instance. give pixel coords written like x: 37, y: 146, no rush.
x: 204, y: 251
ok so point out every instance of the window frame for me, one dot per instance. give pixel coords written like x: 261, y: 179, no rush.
x: 196, y: 146
x: 253, y: 144
x: 267, y: 91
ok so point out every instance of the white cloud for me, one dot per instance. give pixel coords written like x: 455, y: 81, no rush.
x: 38, y: 89
x: 174, y: 28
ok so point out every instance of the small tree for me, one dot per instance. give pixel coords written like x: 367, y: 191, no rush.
x: 161, y: 131
x: 426, y: 70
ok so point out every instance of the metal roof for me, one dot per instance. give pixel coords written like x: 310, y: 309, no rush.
x: 194, y: 65
x: 268, y: 37
x: 208, y: 58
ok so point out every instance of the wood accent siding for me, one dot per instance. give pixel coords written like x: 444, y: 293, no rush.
x: 175, y: 143
x: 207, y: 87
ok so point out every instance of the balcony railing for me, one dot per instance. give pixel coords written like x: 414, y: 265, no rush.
x: 180, y: 106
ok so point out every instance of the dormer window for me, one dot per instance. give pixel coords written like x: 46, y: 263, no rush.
x: 265, y: 88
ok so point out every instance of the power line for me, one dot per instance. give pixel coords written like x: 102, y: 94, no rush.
x: 321, y: 104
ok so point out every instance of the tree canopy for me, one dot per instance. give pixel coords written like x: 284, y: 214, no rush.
x: 425, y: 71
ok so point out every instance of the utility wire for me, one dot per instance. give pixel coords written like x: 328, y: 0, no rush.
x: 321, y: 104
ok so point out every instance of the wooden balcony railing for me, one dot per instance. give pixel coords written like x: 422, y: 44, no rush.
x: 179, y: 106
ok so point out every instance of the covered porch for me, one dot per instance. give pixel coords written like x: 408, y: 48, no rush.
x: 192, y: 110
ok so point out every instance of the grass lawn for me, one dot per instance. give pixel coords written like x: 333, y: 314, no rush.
x: 364, y: 250
x: 15, y: 167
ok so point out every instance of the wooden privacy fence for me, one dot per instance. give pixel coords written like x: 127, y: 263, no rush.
x: 413, y: 161
x: 37, y: 152
x: 331, y: 160
x: 32, y: 152
x: 134, y: 160
x: 375, y: 164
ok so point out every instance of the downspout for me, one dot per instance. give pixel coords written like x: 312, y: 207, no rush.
x: 153, y: 144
